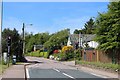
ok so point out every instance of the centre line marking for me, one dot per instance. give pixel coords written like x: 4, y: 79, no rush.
x: 68, y: 75
x: 57, y: 70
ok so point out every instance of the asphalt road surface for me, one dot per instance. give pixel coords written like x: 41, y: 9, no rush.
x: 53, y: 70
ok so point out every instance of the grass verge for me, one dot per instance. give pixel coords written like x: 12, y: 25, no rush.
x: 108, y: 66
x: 3, y: 67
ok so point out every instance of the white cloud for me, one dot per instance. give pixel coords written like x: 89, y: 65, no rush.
x: 12, y: 22
x: 58, y: 24
x: 72, y: 23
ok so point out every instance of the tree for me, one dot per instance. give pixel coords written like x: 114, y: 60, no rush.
x: 15, y: 37
x: 76, y: 31
x: 57, y: 39
x: 88, y: 28
x: 108, y: 30
x: 37, y: 39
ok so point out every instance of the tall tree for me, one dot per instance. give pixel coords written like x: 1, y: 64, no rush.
x: 108, y: 30
x: 15, y: 39
x: 37, y: 39
x: 89, y: 26
x: 76, y: 31
x: 57, y: 39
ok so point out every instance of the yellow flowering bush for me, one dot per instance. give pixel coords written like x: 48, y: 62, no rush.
x: 67, y: 48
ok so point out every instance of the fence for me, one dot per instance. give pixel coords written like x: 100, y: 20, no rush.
x: 95, y: 56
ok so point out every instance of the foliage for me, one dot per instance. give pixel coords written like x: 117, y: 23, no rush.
x: 108, y: 30
x: 78, y: 54
x: 99, y: 64
x: 37, y: 54
x: 62, y: 56
x: 68, y: 51
x: 14, y: 39
x: 67, y: 48
x: 56, y: 51
x: 57, y: 40
x: 16, y: 42
x: 46, y: 54
x: 88, y: 28
x: 37, y: 39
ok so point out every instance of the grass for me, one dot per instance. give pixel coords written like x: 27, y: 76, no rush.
x: 3, y: 67
x: 99, y: 64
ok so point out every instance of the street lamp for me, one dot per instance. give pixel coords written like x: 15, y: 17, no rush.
x: 24, y: 36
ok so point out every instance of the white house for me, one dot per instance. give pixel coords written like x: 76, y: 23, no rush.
x: 82, y: 39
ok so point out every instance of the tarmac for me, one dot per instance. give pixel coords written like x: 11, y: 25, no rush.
x: 18, y: 71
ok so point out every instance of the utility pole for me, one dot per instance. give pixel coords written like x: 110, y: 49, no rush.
x: 23, y: 38
x: 23, y: 29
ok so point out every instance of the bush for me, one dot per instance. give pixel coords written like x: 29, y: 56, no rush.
x: 69, y: 55
x: 62, y: 56
x: 36, y: 54
x: 67, y: 48
x: 78, y: 54
x: 46, y: 54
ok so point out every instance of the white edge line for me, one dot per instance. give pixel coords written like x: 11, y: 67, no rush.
x: 98, y: 75
x: 27, y: 73
x: 68, y: 75
x: 56, y: 70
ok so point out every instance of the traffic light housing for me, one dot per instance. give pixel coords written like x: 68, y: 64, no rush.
x: 9, y: 41
x: 76, y: 45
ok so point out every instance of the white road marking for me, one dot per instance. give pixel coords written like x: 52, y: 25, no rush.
x: 99, y: 75
x: 68, y: 75
x: 56, y: 70
x: 27, y: 73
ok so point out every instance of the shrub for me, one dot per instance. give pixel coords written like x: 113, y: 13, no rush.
x: 36, y: 54
x: 78, y: 54
x: 67, y: 48
x: 56, y: 51
x: 62, y: 56
x: 46, y: 54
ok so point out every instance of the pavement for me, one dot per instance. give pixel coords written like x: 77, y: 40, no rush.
x: 18, y: 71
x: 14, y: 72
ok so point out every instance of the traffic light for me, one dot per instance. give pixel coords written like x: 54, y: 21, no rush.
x: 9, y: 41
x: 76, y: 45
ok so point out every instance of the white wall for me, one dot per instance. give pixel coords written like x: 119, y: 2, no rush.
x: 93, y: 44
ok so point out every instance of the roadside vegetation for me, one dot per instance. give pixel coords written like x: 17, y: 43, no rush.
x: 106, y: 27
x: 3, y: 66
x: 38, y: 54
x: 99, y: 65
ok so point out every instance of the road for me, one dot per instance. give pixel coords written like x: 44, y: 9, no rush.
x: 50, y: 69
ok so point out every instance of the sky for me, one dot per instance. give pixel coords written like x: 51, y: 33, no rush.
x: 50, y: 16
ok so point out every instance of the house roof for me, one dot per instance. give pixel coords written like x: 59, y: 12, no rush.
x: 88, y: 37
x: 85, y: 37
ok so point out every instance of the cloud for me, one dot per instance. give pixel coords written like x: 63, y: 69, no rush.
x: 57, y: 25
x: 12, y: 22
x: 71, y: 23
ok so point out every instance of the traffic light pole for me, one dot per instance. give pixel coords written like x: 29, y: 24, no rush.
x: 23, y: 39
x: 9, y: 44
x: 8, y: 55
